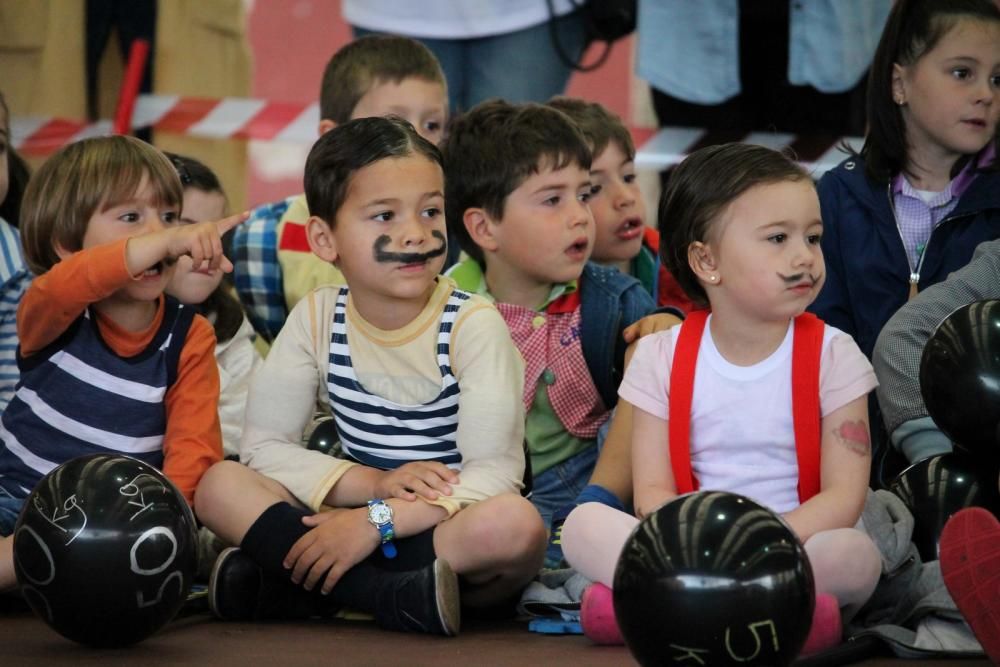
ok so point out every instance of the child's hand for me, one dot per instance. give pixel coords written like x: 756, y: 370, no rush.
x: 649, y: 324
x: 203, y: 242
x: 428, y: 479
x: 339, y: 540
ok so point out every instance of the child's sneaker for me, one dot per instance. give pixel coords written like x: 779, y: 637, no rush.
x: 424, y: 600
x: 970, y: 566
x: 597, y: 616
x: 234, y: 586
x: 240, y: 590
x: 553, y: 552
x: 826, y: 630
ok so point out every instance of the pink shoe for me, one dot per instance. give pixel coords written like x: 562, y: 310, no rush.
x: 826, y: 630
x: 597, y: 616
x: 970, y: 565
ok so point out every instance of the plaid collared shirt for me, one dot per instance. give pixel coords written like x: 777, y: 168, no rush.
x: 256, y: 271
x: 549, y: 342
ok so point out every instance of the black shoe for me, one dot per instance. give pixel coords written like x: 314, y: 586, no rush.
x: 239, y: 590
x: 424, y: 600
x: 234, y: 586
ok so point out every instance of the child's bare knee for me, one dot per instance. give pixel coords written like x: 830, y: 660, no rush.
x: 215, y: 487
x: 514, y: 528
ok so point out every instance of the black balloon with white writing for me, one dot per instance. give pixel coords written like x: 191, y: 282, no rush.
x: 713, y: 578
x: 105, y: 550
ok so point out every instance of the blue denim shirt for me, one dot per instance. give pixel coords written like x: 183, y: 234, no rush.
x: 609, y: 302
x: 690, y: 50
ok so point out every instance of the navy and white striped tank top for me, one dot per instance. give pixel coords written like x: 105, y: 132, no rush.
x: 78, y: 397
x: 383, y: 434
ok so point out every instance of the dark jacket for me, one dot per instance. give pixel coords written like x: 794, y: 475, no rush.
x: 868, y: 274
x: 609, y: 302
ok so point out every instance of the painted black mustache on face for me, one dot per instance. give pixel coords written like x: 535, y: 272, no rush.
x: 797, y: 278
x: 381, y: 255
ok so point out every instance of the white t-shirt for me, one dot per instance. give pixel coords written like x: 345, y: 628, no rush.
x: 449, y: 19
x: 742, y: 433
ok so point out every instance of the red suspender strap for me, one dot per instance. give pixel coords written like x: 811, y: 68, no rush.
x: 807, y: 348
x: 681, y: 391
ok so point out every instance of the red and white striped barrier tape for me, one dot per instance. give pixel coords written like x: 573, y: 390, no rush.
x: 228, y: 118
x: 246, y: 118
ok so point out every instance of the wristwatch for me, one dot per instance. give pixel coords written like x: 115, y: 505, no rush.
x: 380, y: 516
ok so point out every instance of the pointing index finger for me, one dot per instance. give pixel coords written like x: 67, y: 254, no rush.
x: 226, y: 224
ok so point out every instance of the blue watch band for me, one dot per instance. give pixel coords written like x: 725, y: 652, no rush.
x: 385, y: 526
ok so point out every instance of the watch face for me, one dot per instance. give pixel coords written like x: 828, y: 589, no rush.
x: 380, y: 513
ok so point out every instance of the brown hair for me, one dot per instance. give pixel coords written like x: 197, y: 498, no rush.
x: 357, y: 67
x: 493, y: 148
x: 700, y: 189
x: 913, y: 28
x: 339, y: 153
x: 599, y: 126
x: 82, y: 179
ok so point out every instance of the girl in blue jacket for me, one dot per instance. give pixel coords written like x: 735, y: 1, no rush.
x: 925, y: 191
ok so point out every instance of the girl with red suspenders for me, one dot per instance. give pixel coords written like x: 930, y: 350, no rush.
x: 750, y: 395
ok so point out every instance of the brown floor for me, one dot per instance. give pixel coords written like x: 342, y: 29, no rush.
x: 198, y: 640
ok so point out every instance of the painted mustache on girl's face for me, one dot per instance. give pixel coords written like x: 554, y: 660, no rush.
x: 382, y: 255
x: 800, y: 277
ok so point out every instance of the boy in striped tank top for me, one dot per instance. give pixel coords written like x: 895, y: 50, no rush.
x: 108, y: 363
x: 423, y: 514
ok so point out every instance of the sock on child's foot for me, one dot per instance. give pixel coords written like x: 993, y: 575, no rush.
x: 826, y: 630
x: 970, y: 567
x: 597, y: 616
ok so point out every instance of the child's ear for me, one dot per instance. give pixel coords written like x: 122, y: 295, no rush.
x: 702, y: 262
x: 480, y: 225
x: 321, y: 240
x: 325, y: 125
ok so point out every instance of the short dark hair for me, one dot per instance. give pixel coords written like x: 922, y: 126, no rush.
x: 493, y: 148
x: 347, y: 148
x: 599, y: 125
x: 700, y: 188
x: 358, y: 66
x: 195, y: 174
x: 913, y: 28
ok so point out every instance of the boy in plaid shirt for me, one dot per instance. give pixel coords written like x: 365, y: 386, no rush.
x: 517, y: 184
x: 375, y: 75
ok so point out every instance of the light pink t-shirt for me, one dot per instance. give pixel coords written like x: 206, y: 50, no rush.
x: 742, y: 433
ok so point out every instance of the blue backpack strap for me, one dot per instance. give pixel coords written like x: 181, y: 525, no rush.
x: 256, y: 272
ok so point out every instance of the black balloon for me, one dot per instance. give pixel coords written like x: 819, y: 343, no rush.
x: 937, y: 487
x: 324, y: 437
x: 713, y: 578
x: 960, y: 377
x: 105, y: 550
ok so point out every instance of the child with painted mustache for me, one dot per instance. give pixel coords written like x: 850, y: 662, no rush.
x: 751, y: 395
x: 423, y: 512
